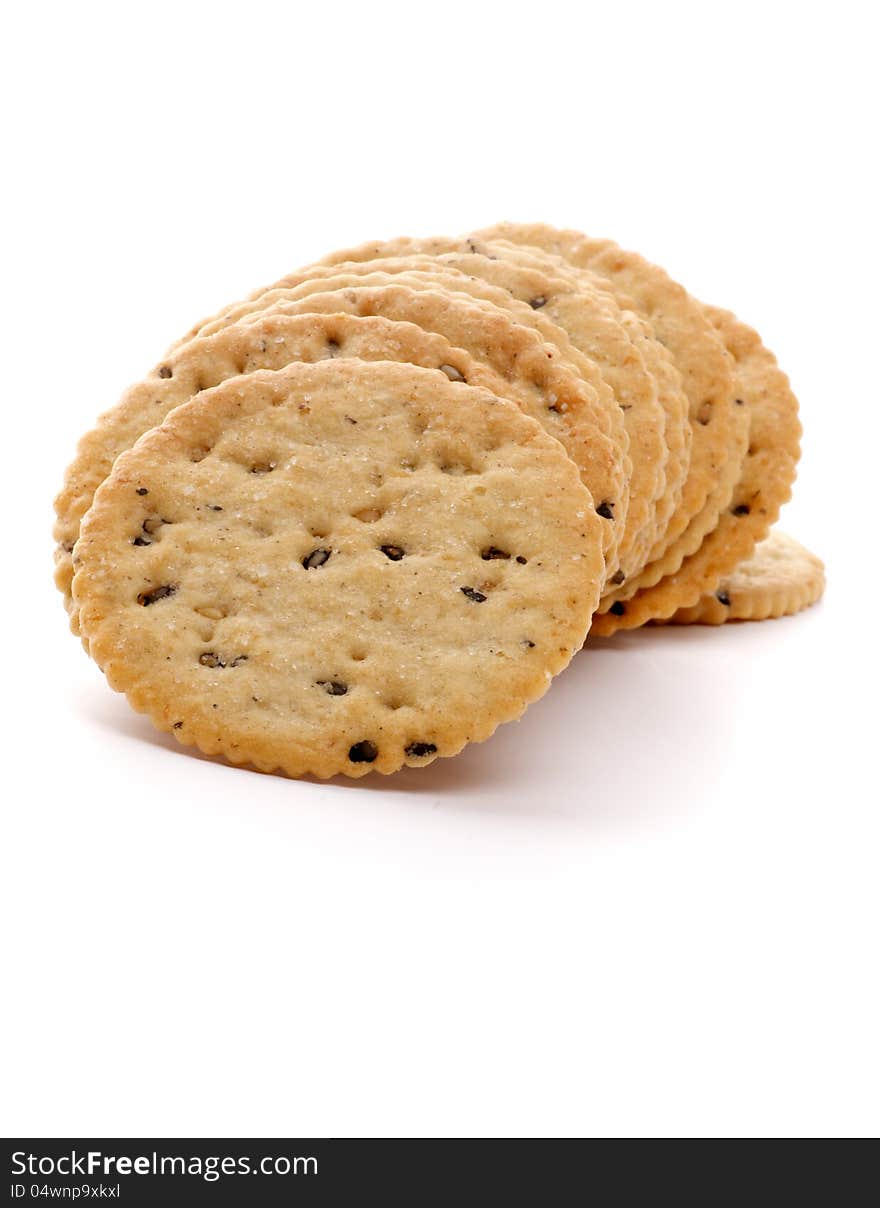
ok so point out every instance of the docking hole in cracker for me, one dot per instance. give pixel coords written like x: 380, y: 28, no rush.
x: 387, y: 643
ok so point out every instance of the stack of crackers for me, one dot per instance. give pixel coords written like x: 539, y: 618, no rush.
x: 361, y: 518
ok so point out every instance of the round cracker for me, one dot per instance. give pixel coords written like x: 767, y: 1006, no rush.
x: 779, y: 579
x: 353, y: 566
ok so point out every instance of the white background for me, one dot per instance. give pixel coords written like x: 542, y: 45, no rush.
x: 649, y: 907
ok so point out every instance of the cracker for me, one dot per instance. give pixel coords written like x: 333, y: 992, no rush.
x: 352, y: 566
x: 272, y: 343
x: 547, y: 389
x: 719, y: 426
x: 765, y: 484
x: 779, y: 579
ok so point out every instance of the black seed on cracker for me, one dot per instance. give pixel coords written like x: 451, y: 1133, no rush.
x: 521, y: 560
x: 177, y: 725
x: 142, y: 491
x: 605, y: 510
x: 165, y: 371
x: 210, y: 659
x: 263, y: 467
x: 316, y: 558
x: 723, y: 598
x: 418, y: 750
x: 363, y: 752
x: 739, y: 402
x: 141, y: 541
x: 476, y: 250
x: 333, y: 687
x: 492, y: 552
x: 158, y: 593
x: 537, y: 303
x: 741, y: 509
x: 473, y: 594
x: 617, y: 609
x: 528, y: 643
x: 618, y: 577
x: 238, y: 660
x: 215, y: 507
x: 394, y: 552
